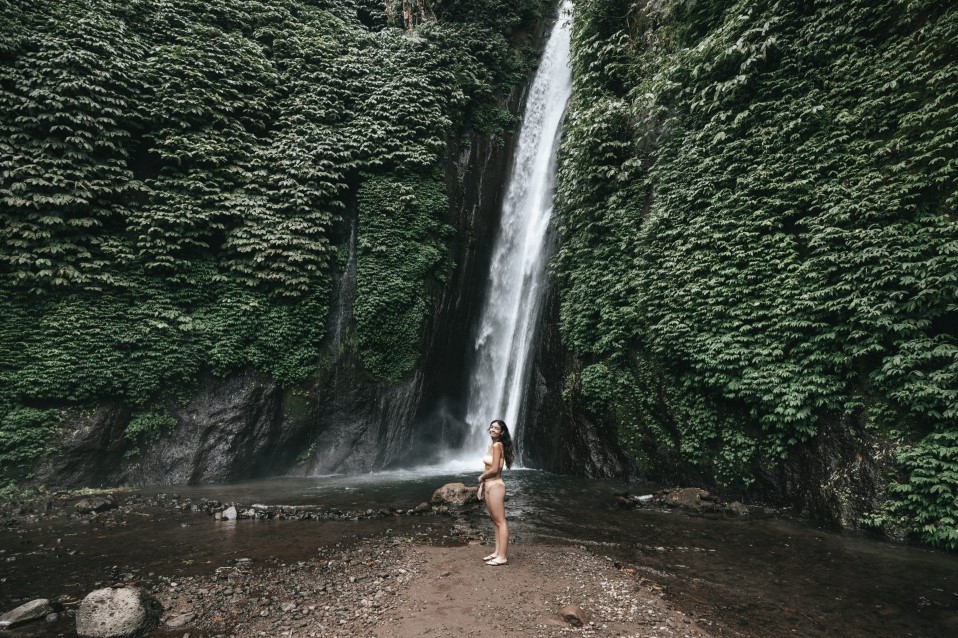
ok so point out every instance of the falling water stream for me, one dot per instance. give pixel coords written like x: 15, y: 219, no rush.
x: 517, y: 277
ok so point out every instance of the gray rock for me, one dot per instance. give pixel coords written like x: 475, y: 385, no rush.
x: 125, y: 612
x: 454, y: 494
x: 737, y: 508
x: 688, y: 497
x: 94, y: 504
x: 90, y: 448
x: 52, y: 617
x: 422, y: 507
x: 179, y: 620
x: 574, y: 615
x: 32, y: 610
x: 229, y: 514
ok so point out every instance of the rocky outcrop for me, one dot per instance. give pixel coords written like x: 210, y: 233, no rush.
x: 837, y: 476
x: 232, y: 429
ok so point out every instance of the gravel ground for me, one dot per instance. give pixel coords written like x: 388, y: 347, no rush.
x: 394, y: 587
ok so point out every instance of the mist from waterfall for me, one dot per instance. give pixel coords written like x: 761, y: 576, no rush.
x: 516, y: 286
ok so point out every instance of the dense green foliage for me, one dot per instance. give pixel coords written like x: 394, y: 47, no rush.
x: 176, y: 176
x: 924, y: 501
x: 400, y: 248
x: 757, y: 204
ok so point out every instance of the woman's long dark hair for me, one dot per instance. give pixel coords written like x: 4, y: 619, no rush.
x: 508, y: 450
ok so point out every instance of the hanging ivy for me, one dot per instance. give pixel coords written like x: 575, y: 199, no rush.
x: 173, y: 175
x: 757, y: 210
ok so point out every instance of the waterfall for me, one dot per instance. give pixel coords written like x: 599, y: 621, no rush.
x: 517, y: 278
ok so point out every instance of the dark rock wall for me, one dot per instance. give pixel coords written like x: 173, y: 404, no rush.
x: 90, y: 449
x: 836, y: 477
x: 233, y: 429
x: 557, y: 435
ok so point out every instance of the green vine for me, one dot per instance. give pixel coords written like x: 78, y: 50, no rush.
x: 757, y: 213
x: 175, y: 176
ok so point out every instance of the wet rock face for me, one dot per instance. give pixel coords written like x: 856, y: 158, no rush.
x: 837, y: 476
x: 125, y: 612
x: 90, y: 451
x: 363, y: 425
x: 233, y: 429
x: 557, y: 435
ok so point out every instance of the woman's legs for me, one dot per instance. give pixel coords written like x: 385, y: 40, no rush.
x: 495, y: 529
x: 496, y: 502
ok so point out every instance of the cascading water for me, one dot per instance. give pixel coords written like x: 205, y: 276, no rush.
x: 517, y: 277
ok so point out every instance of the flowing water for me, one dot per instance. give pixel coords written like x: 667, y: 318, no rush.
x: 763, y: 577
x: 517, y: 278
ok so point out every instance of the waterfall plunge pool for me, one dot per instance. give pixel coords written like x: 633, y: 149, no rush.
x: 750, y: 577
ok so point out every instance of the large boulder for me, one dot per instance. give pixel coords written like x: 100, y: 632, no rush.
x: 454, y: 494
x: 124, y: 612
x: 33, y: 610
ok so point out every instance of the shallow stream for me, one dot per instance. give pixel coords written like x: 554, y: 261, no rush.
x: 758, y: 576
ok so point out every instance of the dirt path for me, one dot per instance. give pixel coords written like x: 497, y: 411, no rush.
x: 397, y: 587
x: 453, y: 593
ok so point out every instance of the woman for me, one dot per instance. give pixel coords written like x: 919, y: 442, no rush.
x: 493, y: 490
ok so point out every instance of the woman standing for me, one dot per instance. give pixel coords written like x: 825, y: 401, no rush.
x: 493, y: 490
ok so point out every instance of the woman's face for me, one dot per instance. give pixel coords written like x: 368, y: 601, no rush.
x: 494, y: 431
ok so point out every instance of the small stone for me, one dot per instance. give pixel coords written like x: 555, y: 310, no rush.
x: 179, y: 620
x: 94, y: 504
x: 52, y: 617
x: 574, y: 615
x: 229, y: 514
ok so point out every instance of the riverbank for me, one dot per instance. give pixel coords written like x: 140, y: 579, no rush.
x: 311, y: 571
x: 339, y: 541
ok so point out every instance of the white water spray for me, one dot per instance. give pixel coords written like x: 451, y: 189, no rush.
x: 517, y: 278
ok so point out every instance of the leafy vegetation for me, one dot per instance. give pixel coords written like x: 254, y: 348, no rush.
x: 175, y: 177
x: 757, y: 209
